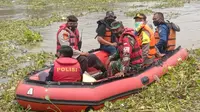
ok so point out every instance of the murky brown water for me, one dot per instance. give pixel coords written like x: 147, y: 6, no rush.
x: 188, y: 20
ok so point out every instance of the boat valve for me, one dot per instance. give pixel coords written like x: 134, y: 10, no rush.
x: 145, y: 80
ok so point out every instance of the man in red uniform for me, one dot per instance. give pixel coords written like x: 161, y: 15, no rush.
x: 65, y: 69
x: 68, y: 34
x: 129, y: 54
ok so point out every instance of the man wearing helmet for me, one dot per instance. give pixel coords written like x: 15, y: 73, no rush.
x: 104, y: 35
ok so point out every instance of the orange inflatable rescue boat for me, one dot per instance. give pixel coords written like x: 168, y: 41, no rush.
x: 78, y: 96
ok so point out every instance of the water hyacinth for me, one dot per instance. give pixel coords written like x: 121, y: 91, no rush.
x: 176, y: 91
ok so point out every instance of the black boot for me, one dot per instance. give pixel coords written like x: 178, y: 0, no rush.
x: 100, y: 66
x: 101, y: 75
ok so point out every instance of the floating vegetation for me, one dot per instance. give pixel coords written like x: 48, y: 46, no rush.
x: 177, y: 91
x: 5, y: 2
x: 8, y: 94
x: 170, y: 4
x: 133, y: 13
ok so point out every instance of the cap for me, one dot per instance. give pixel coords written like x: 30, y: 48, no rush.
x: 141, y: 16
x: 110, y: 14
x: 116, y: 24
x: 72, y: 18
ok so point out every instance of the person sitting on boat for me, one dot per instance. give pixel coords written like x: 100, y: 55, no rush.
x: 68, y: 34
x: 165, y: 33
x: 65, y: 68
x: 104, y: 35
x: 129, y: 54
x: 146, y: 38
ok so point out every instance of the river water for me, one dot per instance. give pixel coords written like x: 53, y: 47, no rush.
x: 188, y: 19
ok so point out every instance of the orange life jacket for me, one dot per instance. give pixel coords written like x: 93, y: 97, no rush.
x: 156, y: 35
x: 171, y: 42
x: 66, y: 70
x: 152, y: 50
x: 108, y: 34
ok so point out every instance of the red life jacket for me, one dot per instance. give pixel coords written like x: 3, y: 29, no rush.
x: 66, y: 70
x: 73, y: 39
x: 136, y: 55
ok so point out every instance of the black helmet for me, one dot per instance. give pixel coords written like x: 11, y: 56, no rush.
x: 110, y: 14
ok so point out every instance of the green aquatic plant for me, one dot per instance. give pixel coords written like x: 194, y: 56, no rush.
x: 37, y: 4
x: 170, y: 4
x: 5, y: 3
x: 31, y: 36
x: 133, y: 13
x: 8, y: 94
x: 177, y: 91
x: 69, y: 6
x: 41, y: 22
x: 17, y: 31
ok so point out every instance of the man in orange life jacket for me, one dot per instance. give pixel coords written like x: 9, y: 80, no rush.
x: 165, y: 36
x: 68, y: 34
x: 146, y: 38
x: 65, y: 69
x: 129, y: 54
x: 104, y: 35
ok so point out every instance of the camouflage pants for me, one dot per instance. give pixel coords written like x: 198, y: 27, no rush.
x: 116, y: 66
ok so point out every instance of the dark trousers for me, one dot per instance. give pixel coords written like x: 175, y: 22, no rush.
x: 90, y: 61
x: 110, y: 49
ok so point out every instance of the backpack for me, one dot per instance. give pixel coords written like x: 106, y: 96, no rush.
x: 173, y: 26
x: 100, y: 22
